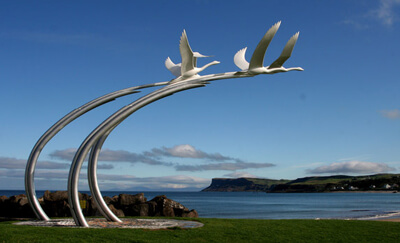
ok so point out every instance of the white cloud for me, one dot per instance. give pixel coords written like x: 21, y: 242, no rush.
x: 110, y: 156
x: 357, y: 167
x: 391, y: 114
x: 13, y: 163
x: 385, y: 12
x: 240, y: 174
x: 222, y: 166
x: 187, y: 151
x: 155, y: 155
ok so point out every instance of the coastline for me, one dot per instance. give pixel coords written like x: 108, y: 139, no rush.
x: 394, y: 191
x: 349, y: 205
x: 390, y: 220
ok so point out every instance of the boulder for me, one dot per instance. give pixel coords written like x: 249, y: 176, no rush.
x: 127, y: 199
x: 16, y: 206
x: 56, y: 204
x: 189, y: 214
x: 117, y: 212
x: 3, y: 198
x: 55, y: 196
x: 163, y: 206
x: 140, y: 209
x: 17, y: 198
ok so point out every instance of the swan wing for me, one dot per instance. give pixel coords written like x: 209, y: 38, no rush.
x: 286, y: 53
x: 257, y: 60
x: 174, y: 68
x: 240, y: 60
x: 186, y: 54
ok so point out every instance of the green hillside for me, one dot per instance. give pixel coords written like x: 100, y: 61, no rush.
x: 378, y: 182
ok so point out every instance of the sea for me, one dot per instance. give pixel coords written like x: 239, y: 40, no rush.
x: 260, y: 205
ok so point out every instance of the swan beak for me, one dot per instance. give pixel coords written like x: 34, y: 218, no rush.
x: 196, y: 54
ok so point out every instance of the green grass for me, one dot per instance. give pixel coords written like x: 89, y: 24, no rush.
x: 217, y: 230
x: 267, y: 182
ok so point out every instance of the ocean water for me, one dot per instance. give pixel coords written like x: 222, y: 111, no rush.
x: 259, y: 205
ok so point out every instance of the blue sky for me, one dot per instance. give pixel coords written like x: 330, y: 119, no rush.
x: 341, y: 115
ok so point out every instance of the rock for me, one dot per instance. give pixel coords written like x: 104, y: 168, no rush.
x: 15, y: 199
x: 94, y: 211
x: 117, y: 212
x: 55, y: 196
x: 114, y: 199
x: 152, y: 208
x: 190, y: 214
x: 55, y: 204
x: 140, y: 209
x: 16, y: 206
x: 3, y: 198
x: 127, y: 199
x: 163, y: 206
x: 107, y: 199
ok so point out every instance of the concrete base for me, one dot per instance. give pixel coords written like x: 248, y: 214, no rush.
x: 126, y: 223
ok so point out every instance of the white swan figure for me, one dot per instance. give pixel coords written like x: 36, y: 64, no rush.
x: 176, y: 68
x: 256, y: 65
x: 189, y: 60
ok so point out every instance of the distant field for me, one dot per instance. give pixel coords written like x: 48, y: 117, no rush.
x: 217, y: 230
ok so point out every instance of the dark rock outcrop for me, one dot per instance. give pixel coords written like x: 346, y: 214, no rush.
x: 55, y: 204
x: 162, y: 206
x: 17, y: 205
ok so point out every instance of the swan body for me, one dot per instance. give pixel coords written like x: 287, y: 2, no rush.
x: 188, y: 67
x: 256, y: 65
x: 176, y: 68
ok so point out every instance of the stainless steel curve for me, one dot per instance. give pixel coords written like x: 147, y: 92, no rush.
x: 53, y: 130
x: 106, y: 127
x: 93, y: 182
x: 95, y: 150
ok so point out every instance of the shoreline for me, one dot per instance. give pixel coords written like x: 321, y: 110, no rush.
x: 394, y: 219
x: 394, y: 191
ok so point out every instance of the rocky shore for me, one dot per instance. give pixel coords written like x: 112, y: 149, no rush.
x: 55, y: 204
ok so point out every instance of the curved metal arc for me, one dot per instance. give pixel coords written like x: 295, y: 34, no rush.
x: 53, y: 130
x: 59, y: 125
x: 95, y: 150
x: 107, y: 126
x: 93, y: 183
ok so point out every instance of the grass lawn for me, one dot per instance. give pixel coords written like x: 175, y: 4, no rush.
x: 217, y: 230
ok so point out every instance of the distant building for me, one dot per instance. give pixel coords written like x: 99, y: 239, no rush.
x: 386, y: 186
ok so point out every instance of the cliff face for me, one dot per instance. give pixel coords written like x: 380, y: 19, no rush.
x: 378, y: 182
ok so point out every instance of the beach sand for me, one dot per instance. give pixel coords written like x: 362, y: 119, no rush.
x: 390, y: 220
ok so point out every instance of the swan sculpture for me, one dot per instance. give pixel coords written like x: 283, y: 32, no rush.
x: 176, y: 68
x: 256, y: 65
x: 188, y: 66
x: 187, y: 71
